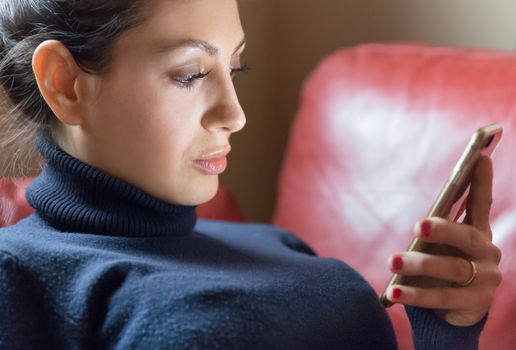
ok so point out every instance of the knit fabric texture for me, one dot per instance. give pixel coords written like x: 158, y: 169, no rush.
x: 103, y: 265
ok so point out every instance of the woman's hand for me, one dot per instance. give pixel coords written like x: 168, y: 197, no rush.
x: 458, y: 305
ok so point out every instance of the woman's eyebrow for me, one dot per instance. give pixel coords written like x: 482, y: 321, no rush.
x: 242, y: 43
x: 199, y: 44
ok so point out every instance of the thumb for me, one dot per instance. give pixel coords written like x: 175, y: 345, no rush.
x: 480, y: 196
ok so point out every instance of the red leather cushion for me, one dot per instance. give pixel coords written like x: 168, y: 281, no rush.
x: 13, y: 205
x: 378, y: 131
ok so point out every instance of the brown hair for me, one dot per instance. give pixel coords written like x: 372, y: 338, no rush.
x: 88, y: 28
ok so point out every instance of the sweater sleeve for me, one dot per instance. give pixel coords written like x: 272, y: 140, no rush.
x: 20, y: 324
x: 431, y: 332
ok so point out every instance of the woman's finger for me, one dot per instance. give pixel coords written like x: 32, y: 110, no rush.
x: 468, y: 239
x: 434, y: 298
x: 452, y: 269
x: 480, y: 197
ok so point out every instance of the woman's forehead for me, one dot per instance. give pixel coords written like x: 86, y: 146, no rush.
x: 211, y: 25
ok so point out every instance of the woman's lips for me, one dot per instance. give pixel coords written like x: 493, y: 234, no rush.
x: 214, y: 162
x: 214, y: 166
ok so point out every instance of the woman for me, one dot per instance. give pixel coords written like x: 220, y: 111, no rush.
x: 133, y: 105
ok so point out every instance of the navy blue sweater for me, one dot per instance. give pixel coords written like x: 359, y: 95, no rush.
x: 101, y: 264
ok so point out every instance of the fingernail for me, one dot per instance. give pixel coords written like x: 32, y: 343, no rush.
x: 397, y: 263
x: 426, y: 228
x: 396, y: 293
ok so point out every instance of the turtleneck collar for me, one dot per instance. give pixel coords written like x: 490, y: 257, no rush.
x: 73, y: 196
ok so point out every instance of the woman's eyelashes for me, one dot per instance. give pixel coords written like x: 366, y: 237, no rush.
x: 188, y: 81
x: 242, y: 69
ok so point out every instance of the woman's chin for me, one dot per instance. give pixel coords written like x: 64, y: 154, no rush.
x: 189, y: 193
x: 199, y: 194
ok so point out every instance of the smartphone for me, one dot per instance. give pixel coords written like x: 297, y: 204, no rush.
x: 450, y: 204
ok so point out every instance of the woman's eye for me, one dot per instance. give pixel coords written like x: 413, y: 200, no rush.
x: 241, y: 69
x: 188, y: 80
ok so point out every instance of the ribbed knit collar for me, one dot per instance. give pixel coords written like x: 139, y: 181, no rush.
x: 73, y: 196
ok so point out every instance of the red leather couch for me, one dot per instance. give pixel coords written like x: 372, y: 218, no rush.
x: 378, y: 131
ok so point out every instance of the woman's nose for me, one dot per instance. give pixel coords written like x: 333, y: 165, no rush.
x: 227, y: 113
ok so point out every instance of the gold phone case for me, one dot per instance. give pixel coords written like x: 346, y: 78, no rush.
x: 450, y: 204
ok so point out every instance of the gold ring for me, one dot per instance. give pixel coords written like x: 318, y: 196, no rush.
x: 471, y: 278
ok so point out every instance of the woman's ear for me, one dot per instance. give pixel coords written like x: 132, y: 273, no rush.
x: 57, y: 75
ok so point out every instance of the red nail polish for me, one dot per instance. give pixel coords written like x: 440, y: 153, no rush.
x: 396, y: 293
x: 426, y: 228
x: 397, y: 263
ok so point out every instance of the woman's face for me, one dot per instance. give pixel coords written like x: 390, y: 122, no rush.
x: 165, y: 109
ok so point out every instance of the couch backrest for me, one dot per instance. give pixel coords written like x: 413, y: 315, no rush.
x: 376, y: 136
